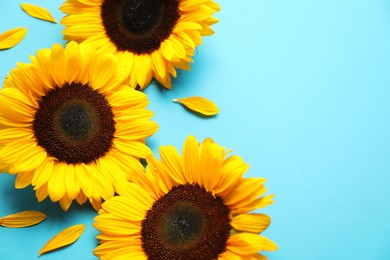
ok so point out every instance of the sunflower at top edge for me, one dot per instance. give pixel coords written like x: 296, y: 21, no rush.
x: 152, y: 38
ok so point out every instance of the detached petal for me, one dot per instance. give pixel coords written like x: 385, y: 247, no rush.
x: 38, y: 12
x: 64, y: 238
x: 12, y: 37
x: 199, y: 104
x: 22, y: 219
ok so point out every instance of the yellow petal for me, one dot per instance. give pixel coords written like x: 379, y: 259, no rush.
x: 256, y: 204
x: 228, y: 255
x: 249, y: 244
x: 124, y: 253
x: 191, y: 159
x: 23, y: 179
x: 247, y: 190
x: 41, y: 193
x: 64, y: 238
x: 199, y: 104
x: 12, y: 37
x: 22, y: 219
x: 109, y: 246
x: 58, y: 64
x: 172, y: 161
x: 254, y: 223
x: 38, y: 12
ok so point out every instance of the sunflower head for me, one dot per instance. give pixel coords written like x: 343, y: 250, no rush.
x: 194, y: 206
x: 151, y: 37
x: 69, y: 127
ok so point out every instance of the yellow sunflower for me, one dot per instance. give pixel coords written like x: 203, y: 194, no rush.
x: 151, y: 37
x: 69, y: 127
x: 191, y: 207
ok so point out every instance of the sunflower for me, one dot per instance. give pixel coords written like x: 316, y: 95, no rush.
x: 151, y: 37
x: 191, y: 207
x: 70, y: 128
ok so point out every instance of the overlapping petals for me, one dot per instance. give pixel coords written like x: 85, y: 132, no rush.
x: 19, y: 152
x: 208, y: 165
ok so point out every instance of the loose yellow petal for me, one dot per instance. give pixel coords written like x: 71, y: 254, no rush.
x: 12, y: 37
x: 199, y: 104
x: 22, y: 219
x: 38, y: 12
x: 64, y: 238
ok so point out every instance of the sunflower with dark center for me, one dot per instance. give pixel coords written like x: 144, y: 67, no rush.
x: 192, y: 207
x: 70, y: 128
x: 151, y: 37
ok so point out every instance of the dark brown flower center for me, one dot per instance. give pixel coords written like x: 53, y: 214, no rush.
x: 186, y: 223
x: 74, y: 123
x: 139, y: 26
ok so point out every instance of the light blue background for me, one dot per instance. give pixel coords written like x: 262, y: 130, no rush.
x: 304, y: 90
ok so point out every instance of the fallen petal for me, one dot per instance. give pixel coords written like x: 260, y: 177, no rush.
x: 12, y: 37
x: 22, y: 219
x: 38, y: 12
x: 199, y: 104
x: 65, y: 237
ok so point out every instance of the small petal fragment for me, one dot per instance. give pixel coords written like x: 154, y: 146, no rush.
x: 22, y: 219
x: 64, y: 238
x: 12, y: 37
x: 38, y: 12
x: 199, y: 104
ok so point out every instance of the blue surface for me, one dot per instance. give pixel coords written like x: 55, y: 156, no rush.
x: 304, y: 90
